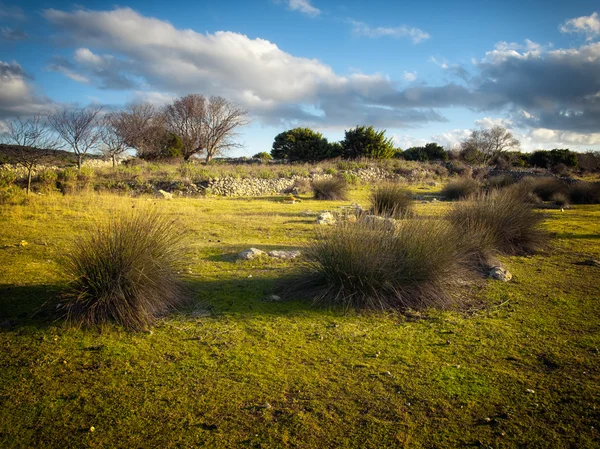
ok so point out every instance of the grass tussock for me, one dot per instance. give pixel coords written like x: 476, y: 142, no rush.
x: 546, y: 188
x: 585, y: 193
x: 461, y: 189
x: 391, y: 200
x: 499, y: 222
x: 330, y: 189
x: 124, y: 271
x: 368, y: 265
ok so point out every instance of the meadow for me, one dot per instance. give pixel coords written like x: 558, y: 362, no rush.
x: 515, y: 364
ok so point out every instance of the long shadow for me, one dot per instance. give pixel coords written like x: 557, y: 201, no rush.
x: 22, y: 305
x: 578, y: 236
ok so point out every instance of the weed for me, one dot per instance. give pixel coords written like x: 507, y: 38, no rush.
x: 330, y: 189
x: 391, y: 200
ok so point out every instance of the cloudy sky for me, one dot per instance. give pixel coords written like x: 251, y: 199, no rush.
x: 425, y: 71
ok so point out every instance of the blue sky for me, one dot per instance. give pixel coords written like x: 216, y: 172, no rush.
x: 425, y: 71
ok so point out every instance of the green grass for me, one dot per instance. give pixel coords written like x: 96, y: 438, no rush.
x: 203, y: 376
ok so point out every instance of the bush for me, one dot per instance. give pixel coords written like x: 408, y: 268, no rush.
x: 560, y: 199
x: 391, y: 200
x: 546, y: 188
x: 330, y: 189
x: 584, y: 193
x: 301, y: 186
x: 500, y: 181
x: 365, y: 141
x: 301, y: 144
x: 7, y: 177
x: 369, y: 264
x: 263, y: 156
x: 460, y: 189
x: 499, y: 221
x: 48, y: 179
x: 124, y: 271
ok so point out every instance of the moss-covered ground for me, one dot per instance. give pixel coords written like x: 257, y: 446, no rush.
x: 518, y: 367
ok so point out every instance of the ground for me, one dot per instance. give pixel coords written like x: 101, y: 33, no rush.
x: 519, y: 366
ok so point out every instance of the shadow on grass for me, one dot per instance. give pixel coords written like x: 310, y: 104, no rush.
x: 22, y: 305
x: 578, y: 236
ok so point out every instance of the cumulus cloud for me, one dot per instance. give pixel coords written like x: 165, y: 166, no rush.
x: 121, y: 47
x: 303, y: 6
x: 414, y: 34
x: 588, y: 25
x: 410, y: 76
x: 17, y: 96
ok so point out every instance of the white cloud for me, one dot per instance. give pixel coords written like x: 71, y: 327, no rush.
x: 17, y: 96
x: 414, y: 34
x: 588, y: 25
x: 555, y: 139
x: 489, y: 122
x: 304, y: 6
x: 410, y: 76
x: 11, y: 12
x: 451, y: 139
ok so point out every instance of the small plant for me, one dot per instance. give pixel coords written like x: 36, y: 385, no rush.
x: 584, y: 193
x: 124, y: 271
x: 330, y: 189
x: 301, y: 186
x: 499, y: 181
x: 48, y: 179
x: 560, y: 199
x: 7, y: 177
x: 460, y: 189
x: 391, y: 200
x: 499, y: 221
x: 266, y: 174
x: 369, y: 264
x: 545, y: 188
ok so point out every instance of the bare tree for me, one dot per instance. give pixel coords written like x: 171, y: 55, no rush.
x: 33, y: 140
x: 79, y: 129
x: 489, y: 143
x: 220, y: 123
x: 113, y: 143
x: 185, y: 118
x: 141, y: 126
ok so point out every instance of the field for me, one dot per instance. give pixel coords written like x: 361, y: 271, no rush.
x: 517, y: 366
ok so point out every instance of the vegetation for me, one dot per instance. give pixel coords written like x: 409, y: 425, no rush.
x: 430, y: 152
x: 485, y: 146
x: 391, y: 200
x: 334, y: 188
x: 460, y: 189
x: 365, y: 141
x: 125, y: 271
x: 301, y: 144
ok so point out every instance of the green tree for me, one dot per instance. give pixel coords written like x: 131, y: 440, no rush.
x: 301, y: 144
x: 263, y: 155
x: 365, y: 141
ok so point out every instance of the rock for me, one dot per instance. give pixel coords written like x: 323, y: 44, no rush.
x: 326, y: 218
x: 250, y: 254
x: 387, y: 223
x: 165, y: 195
x: 500, y: 274
x: 284, y: 254
x: 273, y: 298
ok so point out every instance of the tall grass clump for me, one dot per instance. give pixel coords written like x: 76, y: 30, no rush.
x: 546, y: 188
x: 330, y: 189
x: 500, y: 221
x: 124, y: 271
x: 369, y: 265
x: 460, y: 189
x: 391, y: 200
x: 584, y: 193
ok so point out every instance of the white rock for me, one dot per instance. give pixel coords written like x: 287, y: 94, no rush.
x: 284, y: 254
x: 165, y: 195
x: 250, y: 254
x: 326, y: 218
x: 500, y: 274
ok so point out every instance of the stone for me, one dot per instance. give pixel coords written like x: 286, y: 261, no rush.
x: 500, y: 274
x: 326, y: 218
x: 284, y: 254
x: 165, y: 195
x: 250, y: 253
x: 274, y: 298
x: 387, y: 223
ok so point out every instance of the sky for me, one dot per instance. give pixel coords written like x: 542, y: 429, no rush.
x: 424, y: 71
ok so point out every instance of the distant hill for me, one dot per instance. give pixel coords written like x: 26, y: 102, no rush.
x: 54, y: 157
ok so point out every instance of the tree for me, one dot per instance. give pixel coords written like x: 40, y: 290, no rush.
x: 142, y: 127
x: 33, y: 139
x: 186, y: 118
x: 113, y: 143
x: 301, y: 144
x: 78, y: 128
x: 221, y: 121
x: 366, y: 142
x: 263, y: 156
x: 490, y: 143
x: 430, y: 152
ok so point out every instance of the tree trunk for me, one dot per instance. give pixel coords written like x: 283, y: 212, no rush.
x: 79, y: 161
x: 29, y: 170
x: 114, y: 161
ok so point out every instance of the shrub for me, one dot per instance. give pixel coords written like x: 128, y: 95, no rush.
x: 391, y: 200
x: 500, y: 181
x: 499, y: 221
x: 263, y: 156
x: 124, y: 271
x: 560, y: 199
x: 546, y: 188
x: 301, y: 144
x: 365, y: 141
x: 48, y: 179
x: 584, y: 193
x: 460, y: 189
x: 7, y: 177
x: 368, y: 264
x: 330, y: 189
x: 301, y: 186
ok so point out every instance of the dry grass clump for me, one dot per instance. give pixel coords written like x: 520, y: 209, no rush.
x: 460, y: 189
x: 124, y: 271
x: 391, y: 200
x: 330, y: 189
x: 499, y: 181
x: 546, y: 188
x: 499, y: 221
x: 368, y: 264
x: 585, y: 193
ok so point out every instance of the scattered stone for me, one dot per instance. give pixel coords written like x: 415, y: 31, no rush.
x: 500, y: 274
x: 274, y: 298
x: 251, y: 253
x: 284, y: 254
x: 165, y: 195
x: 388, y: 223
x: 326, y: 218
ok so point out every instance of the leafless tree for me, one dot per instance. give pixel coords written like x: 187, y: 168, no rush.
x: 185, y: 118
x: 489, y: 143
x: 113, y: 144
x: 141, y: 126
x: 221, y: 122
x: 32, y: 141
x: 79, y: 129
